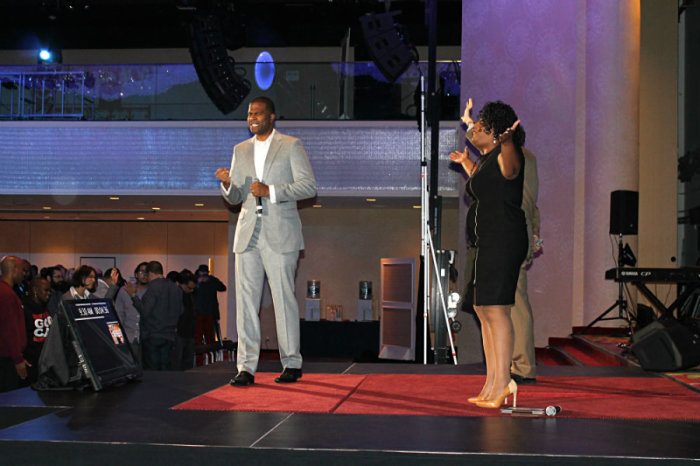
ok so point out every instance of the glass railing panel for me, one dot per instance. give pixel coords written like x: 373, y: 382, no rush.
x: 301, y: 91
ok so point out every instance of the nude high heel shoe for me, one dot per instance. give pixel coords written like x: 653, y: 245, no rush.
x: 475, y: 399
x: 511, y: 389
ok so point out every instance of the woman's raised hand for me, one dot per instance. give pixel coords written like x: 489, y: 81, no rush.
x: 466, y: 118
x: 508, y: 134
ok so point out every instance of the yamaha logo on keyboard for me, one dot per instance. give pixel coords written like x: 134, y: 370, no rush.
x: 630, y: 273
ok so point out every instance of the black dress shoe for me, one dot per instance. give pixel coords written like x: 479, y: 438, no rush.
x: 520, y: 380
x: 242, y: 379
x: 289, y: 376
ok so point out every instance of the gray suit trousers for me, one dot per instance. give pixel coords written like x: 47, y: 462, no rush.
x: 251, y: 266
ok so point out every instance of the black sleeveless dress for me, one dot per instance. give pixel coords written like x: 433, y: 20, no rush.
x: 496, y: 231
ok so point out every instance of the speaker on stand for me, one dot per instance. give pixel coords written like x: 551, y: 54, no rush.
x: 624, y: 212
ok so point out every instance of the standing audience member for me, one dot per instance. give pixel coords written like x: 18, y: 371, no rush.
x: 13, y: 336
x: 141, y: 276
x: 183, y: 356
x: 36, y: 321
x: 23, y: 288
x: 58, y: 287
x: 160, y: 308
x: 84, y: 283
x: 207, y: 305
x: 126, y: 311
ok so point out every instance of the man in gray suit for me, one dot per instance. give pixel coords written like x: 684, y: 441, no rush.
x: 269, y: 173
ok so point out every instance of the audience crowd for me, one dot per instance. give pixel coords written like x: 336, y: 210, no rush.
x: 161, y: 316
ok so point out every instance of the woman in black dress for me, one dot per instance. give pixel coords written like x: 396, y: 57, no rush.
x: 497, y: 237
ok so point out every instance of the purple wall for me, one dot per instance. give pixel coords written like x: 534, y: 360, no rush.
x: 568, y: 69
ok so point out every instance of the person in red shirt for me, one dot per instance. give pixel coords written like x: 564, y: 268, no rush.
x: 13, y: 337
x: 36, y: 321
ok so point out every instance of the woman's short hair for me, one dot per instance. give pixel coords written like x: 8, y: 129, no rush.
x: 81, y: 274
x: 498, y: 117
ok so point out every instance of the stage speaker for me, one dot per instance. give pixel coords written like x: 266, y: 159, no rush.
x: 386, y: 45
x: 666, y: 345
x: 215, y: 68
x: 86, y: 346
x: 624, y: 208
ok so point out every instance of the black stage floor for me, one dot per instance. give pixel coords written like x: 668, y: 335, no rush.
x: 132, y: 424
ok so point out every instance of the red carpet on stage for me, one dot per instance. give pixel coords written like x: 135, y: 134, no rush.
x: 445, y: 395
x: 313, y: 393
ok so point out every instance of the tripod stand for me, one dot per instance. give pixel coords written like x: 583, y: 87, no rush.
x: 621, y: 303
x: 427, y: 246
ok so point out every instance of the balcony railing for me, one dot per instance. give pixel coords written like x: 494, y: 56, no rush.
x: 301, y: 91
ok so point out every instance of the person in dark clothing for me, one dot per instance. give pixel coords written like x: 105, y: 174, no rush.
x: 160, y: 308
x: 207, y: 305
x: 497, y: 234
x: 13, y: 336
x: 128, y: 314
x: 37, y: 322
x: 58, y: 286
x: 173, y: 276
x: 23, y: 287
x: 183, y: 355
x: 141, y: 276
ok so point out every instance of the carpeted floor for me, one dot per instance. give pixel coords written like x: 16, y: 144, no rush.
x: 445, y: 395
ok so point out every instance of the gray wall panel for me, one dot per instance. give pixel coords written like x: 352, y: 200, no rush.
x: 161, y: 158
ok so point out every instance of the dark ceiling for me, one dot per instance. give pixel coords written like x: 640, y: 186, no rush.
x: 76, y: 24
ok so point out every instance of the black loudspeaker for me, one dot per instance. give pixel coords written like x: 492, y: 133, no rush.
x: 86, y: 346
x: 624, y: 211
x: 666, y: 345
x: 385, y: 44
x: 215, y: 68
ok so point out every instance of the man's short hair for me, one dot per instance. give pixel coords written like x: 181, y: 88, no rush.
x: 155, y: 267
x: 81, y: 274
x: 186, y: 276
x: 269, y: 104
x: 173, y: 276
x: 142, y: 264
x: 37, y: 281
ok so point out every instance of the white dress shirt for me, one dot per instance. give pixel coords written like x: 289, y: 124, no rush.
x: 260, y: 150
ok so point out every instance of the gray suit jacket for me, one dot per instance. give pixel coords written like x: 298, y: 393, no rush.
x: 532, y: 212
x: 287, y: 168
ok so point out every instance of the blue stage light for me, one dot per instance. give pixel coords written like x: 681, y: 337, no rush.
x: 45, y: 55
x: 264, y: 70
